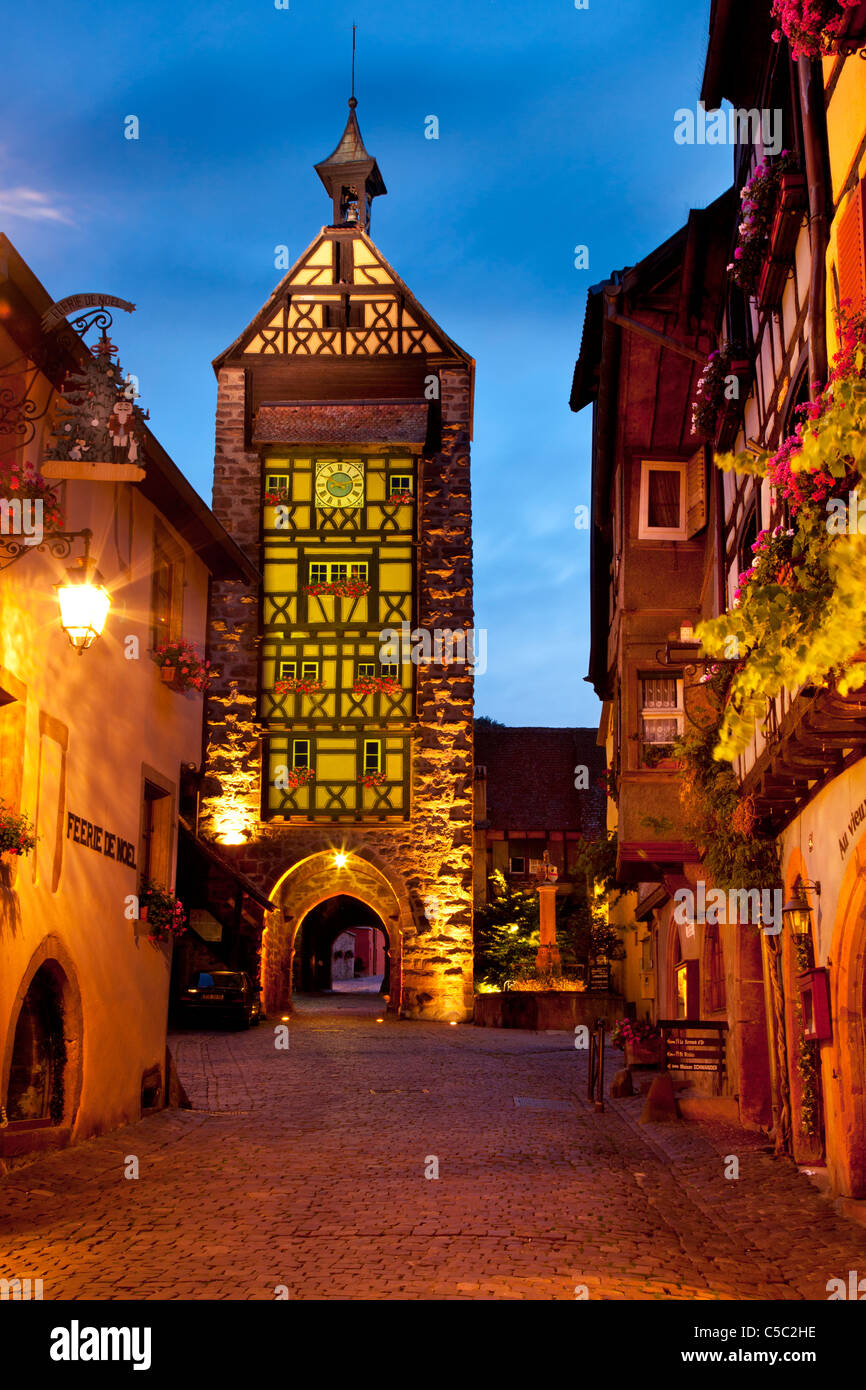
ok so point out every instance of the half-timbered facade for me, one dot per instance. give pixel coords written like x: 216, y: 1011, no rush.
x: 340, y: 752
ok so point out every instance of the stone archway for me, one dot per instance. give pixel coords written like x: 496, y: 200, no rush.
x: 313, y: 881
x: 334, y: 923
x: 844, y: 1063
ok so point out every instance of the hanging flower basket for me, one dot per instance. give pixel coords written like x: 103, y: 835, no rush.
x: 298, y: 686
x: 162, y: 911
x: 181, y: 667
x: 343, y: 588
x: 17, y: 834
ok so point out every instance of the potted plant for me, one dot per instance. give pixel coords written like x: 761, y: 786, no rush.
x: 161, y: 910
x: 17, y: 834
x: 181, y: 666
x: 641, y: 1042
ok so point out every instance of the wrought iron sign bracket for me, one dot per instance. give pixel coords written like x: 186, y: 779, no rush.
x: 57, y: 543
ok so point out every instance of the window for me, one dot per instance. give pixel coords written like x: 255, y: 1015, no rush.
x: 748, y: 536
x: 714, y: 971
x: 288, y: 670
x: 662, y: 501
x: 686, y: 981
x: 365, y: 670
x: 517, y: 864
x: 391, y: 670
x: 851, y: 253
x: 156, y: 834
x: 399, y: 482
x: 309, y: 670
x: 277, y: 482
x: 334, y: 571
x: 372, y: 755
x: 300, y: 752
x: 166, y: 590
x: 661, y: 721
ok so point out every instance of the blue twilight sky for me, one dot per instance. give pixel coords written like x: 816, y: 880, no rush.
x: 556, y: 130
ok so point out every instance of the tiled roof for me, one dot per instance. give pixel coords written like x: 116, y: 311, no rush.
x: 332, y: 422
x: 531, y: 775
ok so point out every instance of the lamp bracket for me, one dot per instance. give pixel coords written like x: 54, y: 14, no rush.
x: 57, y: 543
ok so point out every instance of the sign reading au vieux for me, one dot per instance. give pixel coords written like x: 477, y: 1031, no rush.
x: 97, y: 838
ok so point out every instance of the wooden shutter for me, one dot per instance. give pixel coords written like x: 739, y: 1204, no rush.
x: 851, y: 250
x: 696, y: 493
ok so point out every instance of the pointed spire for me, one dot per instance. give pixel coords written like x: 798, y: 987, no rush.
x: 351, y: 176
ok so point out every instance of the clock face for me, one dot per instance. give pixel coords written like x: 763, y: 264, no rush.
x: 339, y: 483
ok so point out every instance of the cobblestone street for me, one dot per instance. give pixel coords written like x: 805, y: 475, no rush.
x: 306, y: 1168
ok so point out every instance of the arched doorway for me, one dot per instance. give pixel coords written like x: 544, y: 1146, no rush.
x: 42, y: 1071
x: 844, y: 1059
x: 324, y: 878
x: 341, y: 945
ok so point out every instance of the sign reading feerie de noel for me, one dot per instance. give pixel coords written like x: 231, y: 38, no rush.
x: 97, y: 838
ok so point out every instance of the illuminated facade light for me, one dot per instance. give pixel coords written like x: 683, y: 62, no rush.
x: 83, y: 603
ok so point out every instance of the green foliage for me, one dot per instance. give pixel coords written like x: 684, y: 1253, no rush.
x: 801, y: 619
x: 595, y: 858
x: 506, y: 934
x: 709, y: 791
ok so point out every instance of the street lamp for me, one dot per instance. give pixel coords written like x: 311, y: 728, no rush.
x: 83, y: 603
x: 797, y: 914
x: 340, y: 859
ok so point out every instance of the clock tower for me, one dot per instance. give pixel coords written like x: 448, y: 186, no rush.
x: 339, y: 763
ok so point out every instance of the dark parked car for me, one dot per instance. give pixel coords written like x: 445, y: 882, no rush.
x: 223, y: 995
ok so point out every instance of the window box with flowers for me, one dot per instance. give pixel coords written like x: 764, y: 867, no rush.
x: 342, y: 588
x: 371, y: 780
x: 162, y: 911
x: 300, y: 776
x: 17, y: 834
x: 276, y: 497
x: 300, y: 685
x: 401, y: 499
x: 181, y: 667
x: 641, y: 1042
x: 718, y: 405
x: 815, y: 28
x: 761, y: 197
x: 377, y: 685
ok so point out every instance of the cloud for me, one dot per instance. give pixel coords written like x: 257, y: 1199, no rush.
x: 31, y: 204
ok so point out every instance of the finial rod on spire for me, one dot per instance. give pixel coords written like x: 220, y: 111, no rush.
x: 354, y: 27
